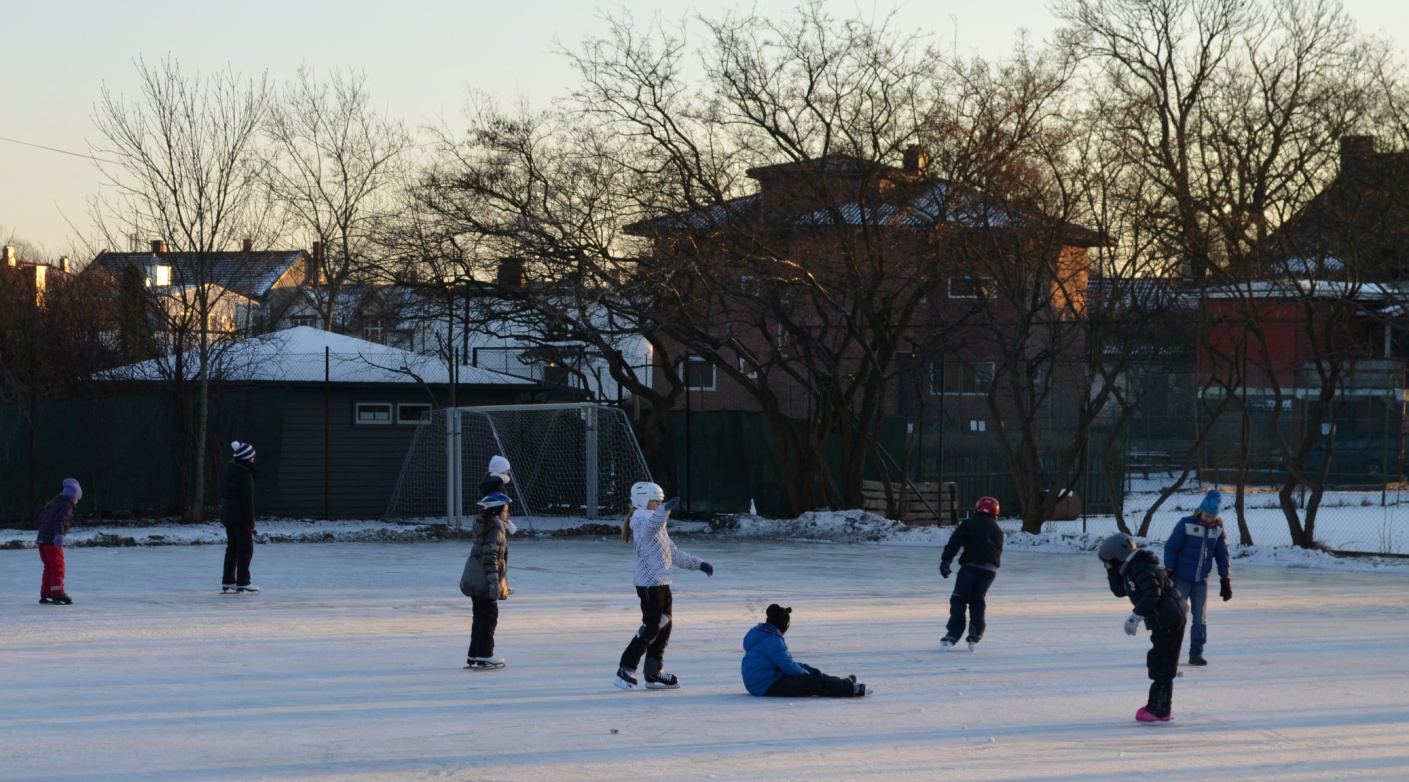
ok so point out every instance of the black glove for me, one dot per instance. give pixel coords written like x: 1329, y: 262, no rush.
x: 1225, y: 589
x: 707, y: 568
x: 671, y: 504
x: 944, y: 569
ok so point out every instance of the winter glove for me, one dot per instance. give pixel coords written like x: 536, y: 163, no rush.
x: 809, y: 669
x: 1132, y: 625
x: 59, y: 542
x: 944, y: 569
x: 707, y: 568
x: 1225, y: 589
x: 670, y: 504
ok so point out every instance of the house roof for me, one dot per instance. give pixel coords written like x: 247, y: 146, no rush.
x: 251, y: 274
x: 296, y: 356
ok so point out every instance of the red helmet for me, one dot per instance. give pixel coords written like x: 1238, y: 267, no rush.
x: 987, y: 505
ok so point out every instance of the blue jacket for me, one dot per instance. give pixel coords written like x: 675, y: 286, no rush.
x: 766, y: 659
x: 1194, y: 547
x: 54, y: 520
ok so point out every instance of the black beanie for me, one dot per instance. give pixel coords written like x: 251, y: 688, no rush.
x: 779, y: 616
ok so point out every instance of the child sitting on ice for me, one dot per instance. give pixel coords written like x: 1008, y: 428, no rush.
x: 769, y: 668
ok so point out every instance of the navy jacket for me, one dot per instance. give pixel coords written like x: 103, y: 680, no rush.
x: 980, y: 537
x: 1193, y: 548
x: 54, y: 520
x: 1142, y: 579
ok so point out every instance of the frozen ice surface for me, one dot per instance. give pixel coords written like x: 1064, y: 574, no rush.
x: 348, y: 666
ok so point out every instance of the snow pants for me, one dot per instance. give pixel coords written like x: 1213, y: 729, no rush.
x: 239, y: 550
x: 1197, y: 592
x: 970, y: 590
x: 51, y: 584
x: 654, y: 634
x: 814, y: 682
x: 1163, y: 663
x: 482, y: 628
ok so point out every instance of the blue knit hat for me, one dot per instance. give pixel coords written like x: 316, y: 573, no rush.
x: 1212, y: 502
x: 72, y: 490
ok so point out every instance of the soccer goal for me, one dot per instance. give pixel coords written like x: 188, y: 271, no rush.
x: 567, y: 460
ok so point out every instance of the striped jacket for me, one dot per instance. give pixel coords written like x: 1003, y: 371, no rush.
x: 655, y: 553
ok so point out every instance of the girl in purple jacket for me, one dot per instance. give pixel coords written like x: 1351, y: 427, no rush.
x: 53, y: 524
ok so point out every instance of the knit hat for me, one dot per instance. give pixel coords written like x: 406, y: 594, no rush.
x: 72, y: 490
x: 1212, y: 502
x: 499, y: 466
x: 779, y: 616
x: 243, y: 451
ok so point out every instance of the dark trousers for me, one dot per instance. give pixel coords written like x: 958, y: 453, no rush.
x: 654, y: 634
x: 970, y: 588
x: 814, y: 682
x: 51, y: 584
x: 1163, y: 663
x: 482, y: 628
x: 239, y: 550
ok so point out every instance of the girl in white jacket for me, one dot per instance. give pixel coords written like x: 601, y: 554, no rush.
x: 655, y: 556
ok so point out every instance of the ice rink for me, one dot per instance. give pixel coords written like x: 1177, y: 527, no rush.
x: 348, y: 667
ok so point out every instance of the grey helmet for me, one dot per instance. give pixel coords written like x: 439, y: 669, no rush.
x: 1115, y: 548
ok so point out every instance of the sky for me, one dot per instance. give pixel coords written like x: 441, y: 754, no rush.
x: 421, y: 59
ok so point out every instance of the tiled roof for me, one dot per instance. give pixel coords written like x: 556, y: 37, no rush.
x: 252, y: 274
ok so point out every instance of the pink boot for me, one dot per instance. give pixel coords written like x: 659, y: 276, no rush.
x: 1144, y: 715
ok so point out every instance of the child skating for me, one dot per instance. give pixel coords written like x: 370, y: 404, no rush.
x: 982, y: 541
x: 53, y: 523
x: 656, y: 555
x: 1137, y: 574
x: 769, y: 668
x: 1196, y: 544
x: 485, y: 579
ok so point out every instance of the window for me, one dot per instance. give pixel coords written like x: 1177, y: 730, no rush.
x: 409, y: 413
x: 373, y: 413
x: 556, y: 374
x: 971, y: 287
x: 372, y: 333
x: 310, y: 321
x: 958, y: 377
x: 750, y: 371
x: 698, y: 374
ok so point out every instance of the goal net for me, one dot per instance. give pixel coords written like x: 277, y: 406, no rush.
x: 566, y: 460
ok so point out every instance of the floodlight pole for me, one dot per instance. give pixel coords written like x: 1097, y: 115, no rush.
x: 590, y: 461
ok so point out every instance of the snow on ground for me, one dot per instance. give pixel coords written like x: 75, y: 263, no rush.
x: 347, y: 666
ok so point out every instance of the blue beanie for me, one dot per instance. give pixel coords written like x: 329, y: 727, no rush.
x: 72, y: 490
x: 1212, y: 502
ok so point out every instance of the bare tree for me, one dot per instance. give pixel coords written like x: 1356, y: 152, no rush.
x: 334, y: 164
x: 180, y: 162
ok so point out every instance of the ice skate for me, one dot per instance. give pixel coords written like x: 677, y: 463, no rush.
x: 947, y: 643
x: 625, y: 679
x: 58, y: 600
x: 484, y: 663
x: 859, y: 690
x: 1197, y: 659
x: 662, y: 681
x: 44, y: 600
x: 1145, y: 715
x: 247, y: 589
x: 973, y: 643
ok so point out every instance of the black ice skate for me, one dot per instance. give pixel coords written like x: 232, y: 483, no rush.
x: 625, y: 679
x: 657, y: 678
x: 484, y: 663
x: 247, y: 589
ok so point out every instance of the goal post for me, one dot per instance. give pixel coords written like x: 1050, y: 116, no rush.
x: 567, y: 460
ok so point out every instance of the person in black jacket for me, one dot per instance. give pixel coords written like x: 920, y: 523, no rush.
x: 982, y: 541
x: 237, y: 514
x: 1137, y: 574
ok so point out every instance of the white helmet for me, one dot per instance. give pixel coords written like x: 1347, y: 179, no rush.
x: 642, y: 493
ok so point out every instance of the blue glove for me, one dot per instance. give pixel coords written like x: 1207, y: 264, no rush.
x: 670, y: 504
x: 1132, y: 625
x: 59, y: 541
x: 707, y: 568
x: 944, y: 569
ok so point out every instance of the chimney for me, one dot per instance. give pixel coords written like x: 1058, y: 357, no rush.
x: 917, y: 159
x: 247, y: 245
x: 1356, y: 153
x: 315, y: 264
x: 9, y: 256
x: 158, y: 246
x: 511, y: 273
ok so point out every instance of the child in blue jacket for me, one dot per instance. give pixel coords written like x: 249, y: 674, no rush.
x: 769, y: 668
x: 1197, y: 543
x: 53, y: 524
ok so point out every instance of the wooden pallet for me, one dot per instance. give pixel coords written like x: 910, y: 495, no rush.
x: 942, y: 498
